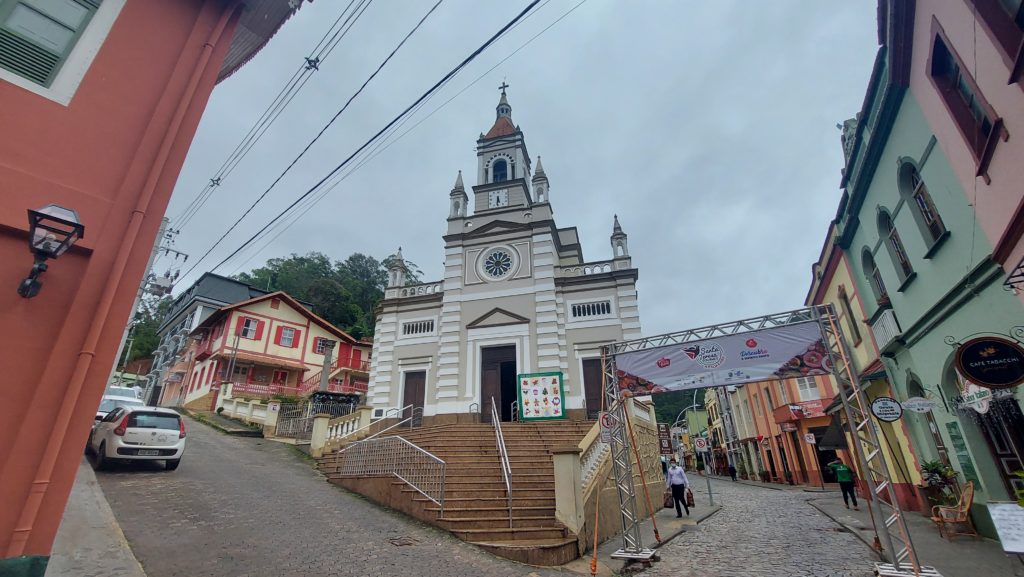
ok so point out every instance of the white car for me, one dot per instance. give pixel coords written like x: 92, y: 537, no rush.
x: 138, y: 434
x: 123, y: 392
x: 111, y: 402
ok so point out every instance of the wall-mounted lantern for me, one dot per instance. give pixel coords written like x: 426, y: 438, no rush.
x: 52, y: 230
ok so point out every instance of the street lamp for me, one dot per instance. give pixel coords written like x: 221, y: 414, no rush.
x: 52, y: 230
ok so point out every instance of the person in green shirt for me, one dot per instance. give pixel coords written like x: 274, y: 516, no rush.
x: 844, y: 475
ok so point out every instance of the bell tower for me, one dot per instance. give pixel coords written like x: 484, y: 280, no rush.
x: 503, y: 164
x: 459, y: 199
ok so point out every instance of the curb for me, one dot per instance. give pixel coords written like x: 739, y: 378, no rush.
x: 848, y: 529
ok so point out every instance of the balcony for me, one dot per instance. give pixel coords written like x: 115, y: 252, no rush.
x: 885, y: 329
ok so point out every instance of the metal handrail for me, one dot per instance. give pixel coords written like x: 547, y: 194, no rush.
x: 416, y: 467
x: 506, y: 466
x: 411, y: 416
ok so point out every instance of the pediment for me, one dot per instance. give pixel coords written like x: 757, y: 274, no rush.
x: 498, y: 227
x: 497, y: 317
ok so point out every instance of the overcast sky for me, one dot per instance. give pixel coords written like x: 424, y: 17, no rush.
x: 708, y: 127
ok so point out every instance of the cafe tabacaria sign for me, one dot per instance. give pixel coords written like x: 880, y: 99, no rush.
x: 992, y: 362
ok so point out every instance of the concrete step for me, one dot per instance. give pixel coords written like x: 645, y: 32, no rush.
x: 455, y: 511
x: 543, y: 552
x: 501, y: 502
x: 456, y: 524
x: 507, y: 534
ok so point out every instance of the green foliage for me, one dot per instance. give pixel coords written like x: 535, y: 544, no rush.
x: 668, y: 405
x: 345, y: 293
x: 144, y: 326
x: 938, y: 474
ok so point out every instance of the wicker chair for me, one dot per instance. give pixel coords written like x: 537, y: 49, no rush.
x: 948, y: 518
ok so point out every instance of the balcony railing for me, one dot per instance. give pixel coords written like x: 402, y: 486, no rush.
x: 885, y: 329
x: 588, y: 268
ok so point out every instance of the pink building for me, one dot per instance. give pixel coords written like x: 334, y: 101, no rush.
x: 968, y: 77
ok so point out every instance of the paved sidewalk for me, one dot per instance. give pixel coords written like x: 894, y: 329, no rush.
x: 963, y: 557
x: 89, y: 541
x: 224, y: 424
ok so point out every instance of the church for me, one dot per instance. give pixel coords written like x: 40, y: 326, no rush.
x: 519, y: 317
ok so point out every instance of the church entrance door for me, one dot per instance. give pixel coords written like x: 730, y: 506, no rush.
x: 498, y: 376
x: 413, y: 394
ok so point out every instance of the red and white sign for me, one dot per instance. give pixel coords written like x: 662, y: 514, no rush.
x: 608, y: 422
x: 809, y: 437
x: 700, y: 444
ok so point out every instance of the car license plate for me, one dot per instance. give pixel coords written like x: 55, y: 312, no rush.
x: 144, y: 452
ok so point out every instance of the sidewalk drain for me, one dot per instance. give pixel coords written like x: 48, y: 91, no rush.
x: 403, y: 541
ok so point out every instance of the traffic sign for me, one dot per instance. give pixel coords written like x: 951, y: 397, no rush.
x: 700, y: 444
x: 608, y: 422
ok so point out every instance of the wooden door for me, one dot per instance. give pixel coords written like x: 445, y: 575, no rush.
x: 414, y: 393
x: 489, y: 387
x: 592, y: 386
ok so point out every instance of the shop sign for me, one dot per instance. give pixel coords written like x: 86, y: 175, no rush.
x: 886, y: 409
x: 993, y: 362
x: 977, y: 398
x: 787, y: 427
x: 809, y: 437
x: 919, y: 404
x: 664, y: 439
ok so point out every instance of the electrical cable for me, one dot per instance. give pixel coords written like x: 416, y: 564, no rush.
x: 384, y: 144
x: 284, y: 97
x: 369, y: 142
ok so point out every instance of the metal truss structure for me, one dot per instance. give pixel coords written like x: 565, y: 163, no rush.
x: 892, y: 529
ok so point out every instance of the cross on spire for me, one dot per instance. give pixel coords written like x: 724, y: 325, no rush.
x: 503, y: 86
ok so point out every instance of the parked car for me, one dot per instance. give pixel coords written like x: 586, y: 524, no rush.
x: 111, y: 402
x: 123, y: 392
x: 138, y: 433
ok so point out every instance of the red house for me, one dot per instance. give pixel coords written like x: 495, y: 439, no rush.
x: 99, y: 102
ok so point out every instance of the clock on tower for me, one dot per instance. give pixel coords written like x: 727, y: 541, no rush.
x: 497, y: 198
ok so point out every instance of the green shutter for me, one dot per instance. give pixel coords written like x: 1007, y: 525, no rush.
x: 28, y: 59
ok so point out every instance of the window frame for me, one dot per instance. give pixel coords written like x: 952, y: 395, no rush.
x: 894, y: 246
x: 874, y: 277
x: 801, y: 389
x: 847, y: 308
x: 243, y: 333
x: 289, y: 336
x: 959, y: 109
x: 494, y: 167
x: 1006, y: 33
x: 77, y: 62
x: 914, y: 191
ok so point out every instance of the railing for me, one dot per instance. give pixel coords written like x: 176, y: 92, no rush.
x: 506, y: 466
x: 421, y: 289
x: 263, y: 390
x: 515, y: 411
x: 388, y: 414
x: 396, y: 456
x: 593, y: 454
x: 362, y: 365
x: 885, y: 328
x: 588, y: 268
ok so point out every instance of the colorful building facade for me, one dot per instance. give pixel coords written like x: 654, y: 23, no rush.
x: 99, y: 102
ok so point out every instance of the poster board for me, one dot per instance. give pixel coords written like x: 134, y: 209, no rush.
x: 541, y: 396
x: 1009, y: 521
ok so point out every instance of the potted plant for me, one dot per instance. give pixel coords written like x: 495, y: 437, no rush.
x: 764, y: 475
x: 939, y: 483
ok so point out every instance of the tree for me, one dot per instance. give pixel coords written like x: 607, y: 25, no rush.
x: 144, y: 335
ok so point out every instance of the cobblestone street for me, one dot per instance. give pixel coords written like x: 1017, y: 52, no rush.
x: 762, y: 533
x: 248, y: 507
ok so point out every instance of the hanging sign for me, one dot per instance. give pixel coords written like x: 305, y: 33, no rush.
x: 919, y: 404
x: 977, y: 398
x: 809, y: 437
x: 700, y: 444
x: 608, y: 422
x: 541, y: 396
x: 993, y: 362
x: 886, y: 409
x: 788, y: 351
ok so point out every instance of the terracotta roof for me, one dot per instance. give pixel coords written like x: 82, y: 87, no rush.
x: 291, y: 302
x: 502, y: 127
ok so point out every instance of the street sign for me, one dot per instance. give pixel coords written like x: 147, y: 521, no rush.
x: 887, y: 409
x: 608, y: 421
x: 700, y: 444
x: 665, y: 439
x: 809, y: 437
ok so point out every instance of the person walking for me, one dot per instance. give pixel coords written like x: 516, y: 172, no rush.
x: 844, y: 475
x: 732, y: 471
x: 676, y: 481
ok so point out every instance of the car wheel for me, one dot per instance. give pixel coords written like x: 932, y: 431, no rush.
x: 172, y: 464
x: 99, y: 461
x: 88, y: 444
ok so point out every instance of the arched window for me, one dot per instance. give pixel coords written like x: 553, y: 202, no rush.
x: 499, y: 171
x: 894, y: 245
x: 874, y: 277
x: 913, y: 189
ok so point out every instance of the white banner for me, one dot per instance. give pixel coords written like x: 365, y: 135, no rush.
x: 783, y: 352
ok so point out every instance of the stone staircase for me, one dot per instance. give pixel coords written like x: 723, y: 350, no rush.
x: 476, y: 504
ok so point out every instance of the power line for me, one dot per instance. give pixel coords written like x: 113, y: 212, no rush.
x: 319, y: 54
x: 383, y: 144
x: 373, y: 138
x: 319, y: 134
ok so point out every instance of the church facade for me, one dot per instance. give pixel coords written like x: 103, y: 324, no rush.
x: 517, y: 298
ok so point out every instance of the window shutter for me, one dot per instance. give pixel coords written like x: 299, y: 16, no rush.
x: 277, y: 334
x: 316, y: 343
x: 259, y: 329
x: 295, y: 339
x: 238, y: 325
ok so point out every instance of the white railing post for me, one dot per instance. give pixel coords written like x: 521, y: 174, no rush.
x: 568, y: 487
x: 319, y: 437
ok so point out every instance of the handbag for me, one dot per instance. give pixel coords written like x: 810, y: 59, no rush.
x: 669, y: 503
x: 689, y: 497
